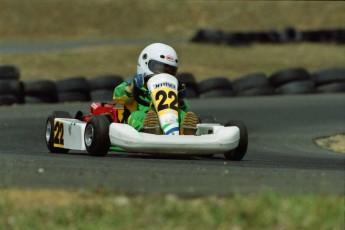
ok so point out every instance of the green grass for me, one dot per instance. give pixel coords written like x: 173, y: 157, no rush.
x: 56, y: 209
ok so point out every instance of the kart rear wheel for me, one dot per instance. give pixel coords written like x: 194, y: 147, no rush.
x: 50, y: 131
x: 96, y: 136
x: 238, y: 153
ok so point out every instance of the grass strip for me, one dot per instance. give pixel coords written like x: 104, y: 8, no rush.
x: 65, y: 209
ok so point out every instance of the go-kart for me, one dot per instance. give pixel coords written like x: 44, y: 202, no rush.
x: 104, y: 129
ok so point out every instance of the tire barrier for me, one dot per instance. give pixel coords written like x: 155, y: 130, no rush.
x: 289, y: 34
x: 100, y: 88
x: 14, y: 91
x: 283, y: 82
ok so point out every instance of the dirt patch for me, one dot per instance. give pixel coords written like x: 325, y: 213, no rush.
x: 335, y: 143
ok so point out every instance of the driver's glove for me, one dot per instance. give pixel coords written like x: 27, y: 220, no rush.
x: 139, y: 80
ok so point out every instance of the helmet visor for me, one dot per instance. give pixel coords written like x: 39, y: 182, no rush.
x: 159, y: 67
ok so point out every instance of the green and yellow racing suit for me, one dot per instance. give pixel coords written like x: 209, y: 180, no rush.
x: 123, y: 96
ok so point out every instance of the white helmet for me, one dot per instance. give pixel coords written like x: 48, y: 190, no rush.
x: 157, y: 58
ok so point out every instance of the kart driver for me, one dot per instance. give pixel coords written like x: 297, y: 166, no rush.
x: 155, y: 58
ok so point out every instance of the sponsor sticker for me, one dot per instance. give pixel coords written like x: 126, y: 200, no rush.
x: 58, y: 134
x: 165, y: 84
x: 170, y: 58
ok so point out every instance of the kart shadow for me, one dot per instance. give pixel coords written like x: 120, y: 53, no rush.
x: 162, y: 156
x: 149, y: 156
x: 129, y: 155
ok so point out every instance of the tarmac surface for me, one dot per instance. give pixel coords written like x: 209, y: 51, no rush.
x: 282, y: 155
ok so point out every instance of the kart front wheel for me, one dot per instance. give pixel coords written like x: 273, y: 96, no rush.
x: 238, y: 153
x: 96, y: 136
x: 54, y: 132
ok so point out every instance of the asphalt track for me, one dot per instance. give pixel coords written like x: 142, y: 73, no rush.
x: 281, y: 157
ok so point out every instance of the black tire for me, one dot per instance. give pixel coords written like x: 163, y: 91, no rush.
x: 102, y: 95
x: 317, y: 36
x: 329, y: 75
x: 96, y: 137
x: 9, y: 72
x: 191, y: 92
x: 39, y: 99
x: 76, y: 84
x: 8, y: 99
x: 11, y: 87
x: 50, y: 131
x: 290, y: 34
x: 238, y: 153
x: 262, y: 91
x: 189, y: 80
x: 339, y: 36
x: 273, y: 36
x: 250, y: 81
x: 217, y: 93
x: 73, y: 96
x: 335, y: 87
x: 208, y: 36
x: 41, y: 90
x: 237, y: 38
x: 288, y: 75
x: 105, y: 82
x: 298, y: 87
x: 214, y: 84
x: 16, y: 88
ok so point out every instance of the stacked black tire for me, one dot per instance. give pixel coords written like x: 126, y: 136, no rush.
x: 330, y: 80
x: 253, y: 84
x: 14, y: 91
x: 287, y: 35
x: 73, y: 89
x: 216, y: 87
x: 300, y: 81
x: 40, y: 91
x: 102, y: 87
x: 283, y: 82
x: 11, y: 88
x: 292, y: 81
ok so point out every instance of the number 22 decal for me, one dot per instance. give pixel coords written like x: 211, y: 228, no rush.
x: 163, y: 95
x: 58, y: 134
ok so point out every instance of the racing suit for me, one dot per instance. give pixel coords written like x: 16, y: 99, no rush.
x: 123, y: 96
